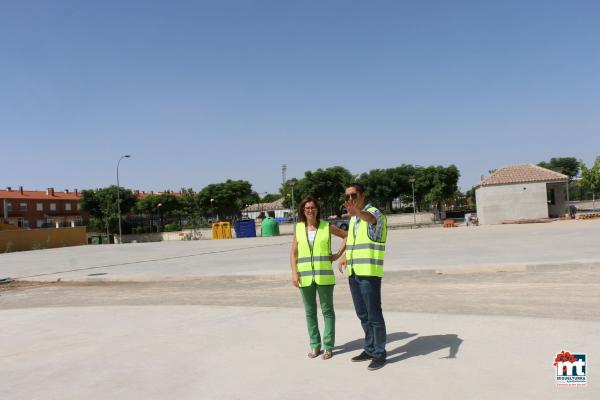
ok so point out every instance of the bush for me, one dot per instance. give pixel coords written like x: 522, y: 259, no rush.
x: 171, y: 228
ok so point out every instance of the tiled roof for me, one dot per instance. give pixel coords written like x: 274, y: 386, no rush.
x: 37, y: 195
x: 522, y: 173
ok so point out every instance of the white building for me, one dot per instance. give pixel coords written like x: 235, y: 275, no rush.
x: 275, y: 208
x: 520, y: 192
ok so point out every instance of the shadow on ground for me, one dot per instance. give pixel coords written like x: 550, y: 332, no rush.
x: 420, y: 346
x: 424, y: 345
x: 358, y: 343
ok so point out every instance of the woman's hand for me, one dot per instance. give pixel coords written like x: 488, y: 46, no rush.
x: 296, y: 280
x: 343, y: 263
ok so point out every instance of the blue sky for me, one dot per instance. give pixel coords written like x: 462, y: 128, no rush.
x: 199, y: 92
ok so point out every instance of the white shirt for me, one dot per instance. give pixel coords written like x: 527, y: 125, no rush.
x: 311, y: 238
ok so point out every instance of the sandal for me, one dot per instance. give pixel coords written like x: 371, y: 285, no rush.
x: 314, y: 353
x: 327, y: 355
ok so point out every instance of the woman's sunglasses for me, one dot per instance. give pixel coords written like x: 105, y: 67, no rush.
x: 352, y: 196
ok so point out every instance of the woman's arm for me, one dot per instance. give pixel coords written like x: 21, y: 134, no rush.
x: 340, y: 251
x: 294, y: 261
x: 338, y: 232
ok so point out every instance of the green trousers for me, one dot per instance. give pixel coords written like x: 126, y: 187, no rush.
x: 309, y: 296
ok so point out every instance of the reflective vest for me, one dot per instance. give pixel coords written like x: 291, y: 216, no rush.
x: 365, y: 256
x: 314, y: 264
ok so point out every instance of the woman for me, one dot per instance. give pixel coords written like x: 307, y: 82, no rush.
x: 312, y: 272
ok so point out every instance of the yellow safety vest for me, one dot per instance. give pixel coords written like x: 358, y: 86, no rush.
x: 364, y: 255
x: 314, y: 264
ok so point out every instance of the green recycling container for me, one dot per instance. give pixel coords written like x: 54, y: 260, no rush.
x: 269, y: 227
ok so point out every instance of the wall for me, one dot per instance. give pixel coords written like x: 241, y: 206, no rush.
x: 496, y: 204
x: 32, y: 239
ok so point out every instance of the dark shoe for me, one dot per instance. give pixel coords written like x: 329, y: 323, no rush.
x: 376, y: 364
x: 362, y: 357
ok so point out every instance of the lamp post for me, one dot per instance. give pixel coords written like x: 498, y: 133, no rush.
x: 158, y: 206
x: 412, y: 182
x: 119, y: 198
x: 293, y: 204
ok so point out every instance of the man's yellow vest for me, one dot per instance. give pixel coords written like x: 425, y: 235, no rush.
x: 314, y: 264
x: 365, y: 256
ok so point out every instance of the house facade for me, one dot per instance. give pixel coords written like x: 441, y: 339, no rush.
x: 41, y: 209
x: 520, y: 192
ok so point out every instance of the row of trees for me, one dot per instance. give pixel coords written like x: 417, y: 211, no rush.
x: 188, y: 208
x: 434, y: 187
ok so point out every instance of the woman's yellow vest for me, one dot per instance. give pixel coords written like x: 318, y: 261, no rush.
x: 314, y: 263
x: 365, y: 256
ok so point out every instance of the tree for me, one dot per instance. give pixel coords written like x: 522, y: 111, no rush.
x: 565, y: 165
x: 190, y: 208
x: 270, y: 197
x: 379, y: 187
x: 227, y: 199
x: 590, y: 178
x: 325, y: 185
x: 436, y: 185
x: 163, y: 205
x: 101, y: 204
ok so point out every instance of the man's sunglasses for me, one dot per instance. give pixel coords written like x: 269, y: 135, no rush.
x: 352, y: 196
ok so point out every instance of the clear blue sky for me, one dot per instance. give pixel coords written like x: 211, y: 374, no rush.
x: 199, y: 92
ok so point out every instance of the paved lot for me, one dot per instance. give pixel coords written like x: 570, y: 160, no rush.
x: 220, y: 320
x: 200, y: 352
x: 503, y: 247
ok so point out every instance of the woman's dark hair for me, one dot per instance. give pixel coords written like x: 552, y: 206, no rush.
x: 308, y: 199
x: 356, y: 186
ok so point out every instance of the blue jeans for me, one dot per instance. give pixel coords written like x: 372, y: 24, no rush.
x: 366, y: 295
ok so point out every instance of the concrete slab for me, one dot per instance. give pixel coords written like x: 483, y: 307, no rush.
x: 201, y: 352
x: 485, y: 248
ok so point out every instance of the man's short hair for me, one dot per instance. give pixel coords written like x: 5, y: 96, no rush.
x: 356, y: 186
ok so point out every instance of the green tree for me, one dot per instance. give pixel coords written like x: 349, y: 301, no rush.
x: 163, y: 205
x: 565, y: 165
x: 270, y: 197
x: 436, y: 185
x: 101, y: 204
x: 325, y: 185
x: 590, y: 178
x: 227, y: 199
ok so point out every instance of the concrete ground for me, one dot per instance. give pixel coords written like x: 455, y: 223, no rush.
x: 220, y: 320
x: 484, y: 248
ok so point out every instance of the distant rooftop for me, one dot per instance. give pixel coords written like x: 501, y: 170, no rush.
x: 522, y: 173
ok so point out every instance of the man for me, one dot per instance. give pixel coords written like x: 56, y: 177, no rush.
x: 365, y: 249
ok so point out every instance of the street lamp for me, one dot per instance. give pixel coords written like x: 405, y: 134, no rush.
x: 119, y: 197
x: 412, y: 182
x: 293, y: 204
x: 158, y: 206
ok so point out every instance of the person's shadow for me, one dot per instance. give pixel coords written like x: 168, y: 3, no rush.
x: 425, y: 345
x: 358, y: 343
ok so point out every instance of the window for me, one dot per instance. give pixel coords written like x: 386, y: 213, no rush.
x: 67, y: 206
x: 22, y: 223
x: 39, y: 207
x: 9, y: 206
x: 52, y: 206
x: 23, y: 206
x: 40, y: 223
x: 78, y: 206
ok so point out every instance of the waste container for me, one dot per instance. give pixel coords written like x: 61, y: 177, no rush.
x: 245, y: 228
x: 221, y: 230
x: 269, y: 227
